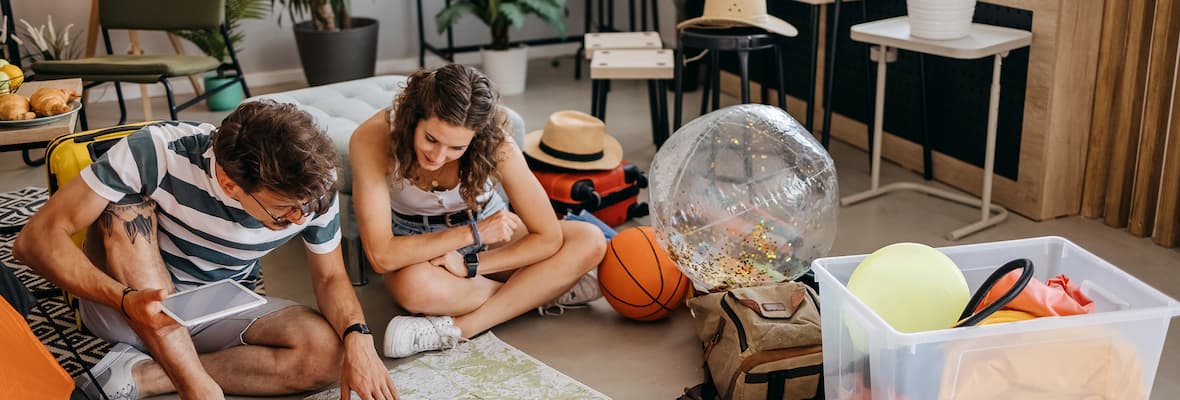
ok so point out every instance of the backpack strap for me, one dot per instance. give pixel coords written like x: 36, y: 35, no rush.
x: 706, y: 390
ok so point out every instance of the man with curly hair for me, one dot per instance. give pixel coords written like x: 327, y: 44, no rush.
x: 177, y: 205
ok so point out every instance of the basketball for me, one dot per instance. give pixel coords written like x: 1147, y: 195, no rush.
x: 638, y: 278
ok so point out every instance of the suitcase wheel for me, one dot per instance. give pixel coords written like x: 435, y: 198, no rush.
x: 637, y: 210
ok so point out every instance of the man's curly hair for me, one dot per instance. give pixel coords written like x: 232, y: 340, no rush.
x: 278, y: 147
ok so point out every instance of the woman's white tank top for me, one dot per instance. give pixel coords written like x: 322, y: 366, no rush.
x: 408, y: 199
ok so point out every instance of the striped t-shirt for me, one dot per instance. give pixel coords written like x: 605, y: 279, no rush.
x: 204, y: 235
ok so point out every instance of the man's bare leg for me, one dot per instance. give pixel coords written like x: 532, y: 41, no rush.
x: 291, y: 350
x: 132, y: 256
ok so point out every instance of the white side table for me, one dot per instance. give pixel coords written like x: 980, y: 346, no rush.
x: 984, y: 41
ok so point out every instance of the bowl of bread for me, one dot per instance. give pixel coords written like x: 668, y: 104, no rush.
x: 44, y: 106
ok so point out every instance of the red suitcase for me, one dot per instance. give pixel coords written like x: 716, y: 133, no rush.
x: 611, y: 195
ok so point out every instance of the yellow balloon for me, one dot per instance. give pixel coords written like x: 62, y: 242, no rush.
x: 912, y: 286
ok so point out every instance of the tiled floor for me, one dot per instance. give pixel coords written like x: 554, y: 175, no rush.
x: 628, y: 360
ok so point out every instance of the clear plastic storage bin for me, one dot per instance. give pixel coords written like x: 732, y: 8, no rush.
x: 1113, y: 351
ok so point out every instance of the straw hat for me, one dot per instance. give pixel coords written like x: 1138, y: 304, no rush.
x: 735, y: 13
x: 574, y: 140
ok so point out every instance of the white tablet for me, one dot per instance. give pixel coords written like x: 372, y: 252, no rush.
x: 210, y: 302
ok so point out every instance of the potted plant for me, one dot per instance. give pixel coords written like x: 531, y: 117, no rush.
x: 213, y: 44
x: 45, y: 43
x: 504, y: 65
x: 333, y: 45
x: 940, y: 19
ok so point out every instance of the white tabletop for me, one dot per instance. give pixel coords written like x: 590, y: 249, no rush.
x: 983, y: 41
x: 632, y: 64
x: 623, y: 40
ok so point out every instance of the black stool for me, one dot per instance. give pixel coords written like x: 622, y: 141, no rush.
x: 739, y: 40
x: 652, y: 65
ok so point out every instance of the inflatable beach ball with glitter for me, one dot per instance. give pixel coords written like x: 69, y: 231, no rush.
x: 744, y: 196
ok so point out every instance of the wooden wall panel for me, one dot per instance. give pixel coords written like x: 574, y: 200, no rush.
x: 1128, y: 114
x: 1161, y: 71
x: 1068, y: 118
x: 1110, y: 71
x: 1167, y: 217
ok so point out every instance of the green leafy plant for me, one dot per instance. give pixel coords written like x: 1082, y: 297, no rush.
x: 212, y: 43
x: 499, y: 15
x: 326, y: 15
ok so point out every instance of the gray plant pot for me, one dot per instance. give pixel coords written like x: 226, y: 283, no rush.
x: 345, y: 55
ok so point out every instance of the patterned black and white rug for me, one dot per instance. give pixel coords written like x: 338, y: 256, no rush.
x: 15, y: 209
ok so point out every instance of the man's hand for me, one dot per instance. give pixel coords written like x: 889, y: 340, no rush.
x: 452, y: 262
x: 499, y: 227
x: 363, y: 371
x: 146, y: 308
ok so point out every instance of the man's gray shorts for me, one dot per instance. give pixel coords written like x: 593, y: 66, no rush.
x: 108, y: 324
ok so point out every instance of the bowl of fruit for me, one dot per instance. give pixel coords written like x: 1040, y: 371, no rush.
x: 11, y: 77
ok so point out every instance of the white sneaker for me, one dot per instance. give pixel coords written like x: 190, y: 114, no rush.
x: 406, y: 336
x: 584, y: 291
x: 113, y: 373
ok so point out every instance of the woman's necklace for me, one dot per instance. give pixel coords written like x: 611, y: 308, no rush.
x: 433, y: 179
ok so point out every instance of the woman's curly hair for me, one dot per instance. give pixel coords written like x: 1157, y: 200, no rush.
x: 461, y: 96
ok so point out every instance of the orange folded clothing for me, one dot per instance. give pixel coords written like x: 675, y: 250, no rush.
x: 1089, y: 363
x: 1058, y: 297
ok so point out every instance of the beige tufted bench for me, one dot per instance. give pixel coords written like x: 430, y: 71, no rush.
x: 339, y: 108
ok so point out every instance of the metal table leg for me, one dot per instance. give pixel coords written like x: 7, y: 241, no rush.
x: 814, y: 65
x: 830, y: 66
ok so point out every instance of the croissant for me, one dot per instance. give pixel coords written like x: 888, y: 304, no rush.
x: 14, y: 107
x: 51, y: 101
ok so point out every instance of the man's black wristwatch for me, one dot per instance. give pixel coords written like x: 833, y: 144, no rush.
x: 472, y: 261
x: 357, y: 327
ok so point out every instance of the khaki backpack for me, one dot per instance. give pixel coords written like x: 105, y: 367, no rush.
x: 760, y: 342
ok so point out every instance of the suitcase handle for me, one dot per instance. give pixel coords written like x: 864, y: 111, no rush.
x: 631, y: 173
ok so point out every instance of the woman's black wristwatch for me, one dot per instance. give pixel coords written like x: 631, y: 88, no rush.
x: 472, y: 259
x: 472, y: 262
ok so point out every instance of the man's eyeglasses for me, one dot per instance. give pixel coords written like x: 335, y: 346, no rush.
x: 318, y: 206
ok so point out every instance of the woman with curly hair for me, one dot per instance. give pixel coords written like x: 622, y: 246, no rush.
x: 424, y: 177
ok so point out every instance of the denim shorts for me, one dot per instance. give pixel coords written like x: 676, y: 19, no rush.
x: 406, y: 227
